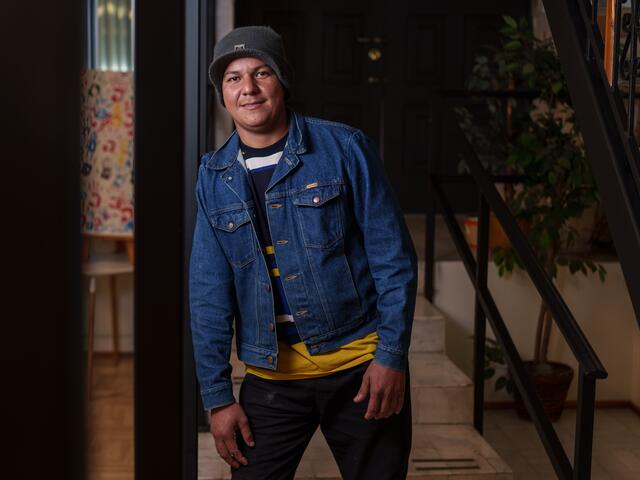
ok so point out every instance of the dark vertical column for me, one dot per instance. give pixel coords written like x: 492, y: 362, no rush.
x: 191, y: 150
x: 171, y: 132
x: 206, y: 97
x: 41, y: 355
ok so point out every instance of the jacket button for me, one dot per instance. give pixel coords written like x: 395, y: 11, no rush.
x: 316, y: 199
x: 271, y: 327
x: 270, y: 359
x: 229, y: 225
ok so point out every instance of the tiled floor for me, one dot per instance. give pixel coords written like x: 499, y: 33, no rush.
x: 616, y: 449
x: 616, y: 443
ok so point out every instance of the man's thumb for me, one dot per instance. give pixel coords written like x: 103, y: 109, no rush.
x: 364, y: 390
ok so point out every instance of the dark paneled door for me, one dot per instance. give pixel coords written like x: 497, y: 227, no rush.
x: 381, y: 65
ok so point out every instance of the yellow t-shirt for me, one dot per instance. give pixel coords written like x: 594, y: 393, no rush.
x: 295, y: 362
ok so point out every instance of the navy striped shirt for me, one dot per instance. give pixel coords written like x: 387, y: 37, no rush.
x: 260, y: 164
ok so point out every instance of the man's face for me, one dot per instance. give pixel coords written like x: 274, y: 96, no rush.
x: 253, y: 95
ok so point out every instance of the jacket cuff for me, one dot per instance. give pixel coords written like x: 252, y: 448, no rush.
x: 217, y: 397
x: 390, y: 358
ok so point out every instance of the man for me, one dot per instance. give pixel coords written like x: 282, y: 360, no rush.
x: 300, y: 239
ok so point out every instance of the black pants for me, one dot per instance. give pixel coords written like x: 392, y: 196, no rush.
x: 284, y: 414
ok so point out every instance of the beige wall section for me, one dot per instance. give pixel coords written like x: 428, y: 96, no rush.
x: 124, y: 288
x: 635, y: 384
x: 539, y: 20
x: 603, y: 311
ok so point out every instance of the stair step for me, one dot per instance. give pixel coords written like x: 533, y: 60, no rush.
x: 438, y: 452
x: 440, y: 391
x: 428, y: 330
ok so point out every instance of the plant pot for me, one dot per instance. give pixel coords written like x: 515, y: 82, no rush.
x: 497, y: 236
x: 552, y: 381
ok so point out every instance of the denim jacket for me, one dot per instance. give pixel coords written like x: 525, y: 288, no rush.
x: 347, y: 262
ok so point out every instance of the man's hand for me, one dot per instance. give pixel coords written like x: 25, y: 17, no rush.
x: 225, y: 421
x: 385, y: 388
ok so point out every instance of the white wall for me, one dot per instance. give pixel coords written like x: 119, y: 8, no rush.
x: 539, y: 22
x: 635, y: 384
x: 602, y: 310
x: 124, y: 287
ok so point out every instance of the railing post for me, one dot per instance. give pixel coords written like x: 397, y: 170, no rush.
x: 617, y: 22
x: 482, y: 258
x: 584, y: 427
x: 633, y: 68
x: 430, y: 242
x: 594, y: 24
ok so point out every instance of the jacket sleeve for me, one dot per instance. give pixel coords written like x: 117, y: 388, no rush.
x: 211, y: 301
x: 390, y: 251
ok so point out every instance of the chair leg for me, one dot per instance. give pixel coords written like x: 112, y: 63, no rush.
x: 114, y: 318
x: 91, y: 318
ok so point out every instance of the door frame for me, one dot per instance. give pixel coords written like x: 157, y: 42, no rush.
x: 172, y: 98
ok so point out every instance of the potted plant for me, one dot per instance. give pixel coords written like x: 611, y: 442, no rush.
x: 548, y: 150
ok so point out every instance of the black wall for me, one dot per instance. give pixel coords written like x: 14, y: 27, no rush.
x: 41, y: 334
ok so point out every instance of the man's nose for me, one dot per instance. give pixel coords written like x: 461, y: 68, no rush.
x: 249, y: 84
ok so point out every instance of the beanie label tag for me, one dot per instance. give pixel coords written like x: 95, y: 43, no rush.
x: 240, y: 46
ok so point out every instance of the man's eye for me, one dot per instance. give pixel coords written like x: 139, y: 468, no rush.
x: 263, y: 73
x: 232, y: 79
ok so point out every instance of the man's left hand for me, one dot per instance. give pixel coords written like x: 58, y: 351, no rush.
x: 385, y: 388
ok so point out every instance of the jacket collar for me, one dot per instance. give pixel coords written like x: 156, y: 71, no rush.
x: 296, y: 143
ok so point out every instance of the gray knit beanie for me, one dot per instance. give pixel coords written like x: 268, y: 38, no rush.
x: 254, y: 41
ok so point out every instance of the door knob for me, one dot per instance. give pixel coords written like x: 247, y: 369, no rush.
x: 374, y: 54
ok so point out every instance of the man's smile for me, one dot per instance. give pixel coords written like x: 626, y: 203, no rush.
x: 252, y: 105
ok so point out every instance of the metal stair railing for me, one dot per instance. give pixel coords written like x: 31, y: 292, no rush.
x: 590, y: 368
x: 607, y: 125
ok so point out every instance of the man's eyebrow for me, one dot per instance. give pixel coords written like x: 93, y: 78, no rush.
x: 236, y: 72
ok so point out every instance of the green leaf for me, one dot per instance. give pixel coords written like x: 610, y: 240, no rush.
x: 528, y: 68
x: 513, y: 45
x: 512, y: 67
x: 574, y: 266
x: 509, y: 386
x: 501, y: 383
x: 489, y: 372
x: 510, y: 21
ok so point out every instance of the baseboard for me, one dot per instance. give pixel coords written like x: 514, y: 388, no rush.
x: 125, y: 355
x: 504, y: 404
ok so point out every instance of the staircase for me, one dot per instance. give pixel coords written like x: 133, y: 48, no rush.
x: 445, y: 444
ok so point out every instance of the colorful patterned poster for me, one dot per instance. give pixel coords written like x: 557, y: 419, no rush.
x: 107, y: 153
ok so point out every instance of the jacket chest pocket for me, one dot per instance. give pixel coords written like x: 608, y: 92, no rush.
x: 236, y: 235
x: 319, y: 214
